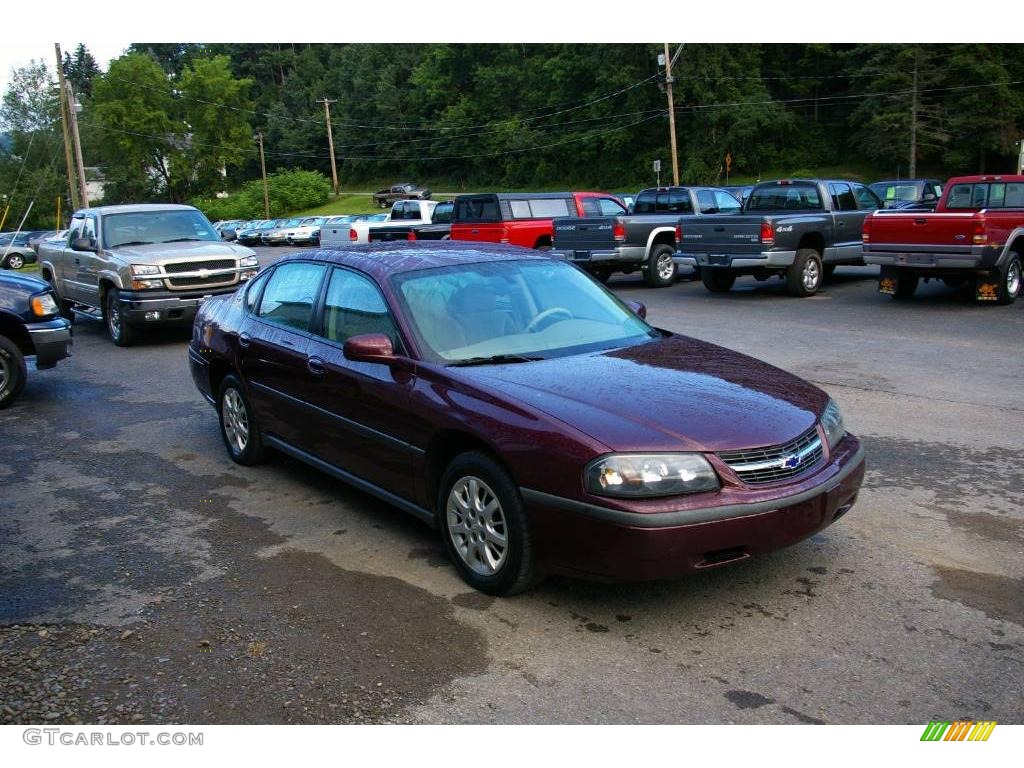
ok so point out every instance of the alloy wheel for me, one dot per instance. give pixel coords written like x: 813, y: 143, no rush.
x: 1013, y: 278
x: 14, y: 261
x: 665, y: 266
x: 5, y: 373
x: 811, y: 275
x: 476, y: 525
x: 236, y: 420
x: 114, y: 319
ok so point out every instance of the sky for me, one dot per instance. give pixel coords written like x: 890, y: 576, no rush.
x: 18, y: 52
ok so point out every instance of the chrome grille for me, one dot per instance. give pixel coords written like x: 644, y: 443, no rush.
x: 780, y: 462
x: 211, y: 281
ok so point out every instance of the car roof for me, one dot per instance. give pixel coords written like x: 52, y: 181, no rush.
x: 381, y: 260
x: 136, y: 208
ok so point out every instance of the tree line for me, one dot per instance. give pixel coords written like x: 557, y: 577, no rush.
x: 176, y: 122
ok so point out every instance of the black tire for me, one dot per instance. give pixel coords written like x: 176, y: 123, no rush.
x: 515, y: 572
x: 14, y: 261
x: 12, y: 372
x: 383, y: 203
x: 906, y: 284
x: 717, y: 280
x: 120, y: 331
x: 252, y: 451
x: 804, y: 276
x: 660, y: 271
x: 1010, y: 280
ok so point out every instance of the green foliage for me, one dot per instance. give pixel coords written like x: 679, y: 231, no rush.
x: 288, y: 191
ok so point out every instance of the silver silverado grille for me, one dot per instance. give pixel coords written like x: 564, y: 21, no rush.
x: 212, y: 280
x: 769, y: 465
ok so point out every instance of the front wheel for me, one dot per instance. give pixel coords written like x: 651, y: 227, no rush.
x: 483, y: 525
x: 120, y: 331
x: 717, y: 280
x: 1010, y: 282
x: 238, y: 426
x: 660, y: 270
x: 15, y: 261
x: 12, y: 371
x: 804, y: 276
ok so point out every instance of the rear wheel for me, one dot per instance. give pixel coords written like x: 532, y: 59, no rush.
x: 1010, y: 282
x: 238, y: 426
x: 483, y: 525
x: 717, y: 280
x: 906, y: 284
x: 803, y: 278
x: 120, y: 331
x: 12, y: 371
x: 660, y: 270
x: 15, y: 261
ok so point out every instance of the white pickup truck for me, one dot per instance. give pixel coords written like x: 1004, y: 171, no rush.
x: 405, y: 216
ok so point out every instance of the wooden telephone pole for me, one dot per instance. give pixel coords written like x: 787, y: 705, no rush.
x: 913, y: 121
x: 330, y: 140
x: 672, y: 114
x: 263, y: 171
x: 72, y: 186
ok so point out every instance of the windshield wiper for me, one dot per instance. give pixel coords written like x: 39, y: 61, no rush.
x: 496, y: 360
x: 184, y: 240
x: 133, y: 242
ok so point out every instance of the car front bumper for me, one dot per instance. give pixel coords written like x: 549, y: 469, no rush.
x: 146, y: 309
x: 604, y: 543
x: 51, y: 340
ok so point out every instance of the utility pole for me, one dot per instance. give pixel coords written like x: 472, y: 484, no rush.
x: 913, y: 120
x: 672, y: 114
x: 263, y: 171
x: 330, y: 140
x: 1020, y: 159
x: 72, y: 187
x: 77, y: 142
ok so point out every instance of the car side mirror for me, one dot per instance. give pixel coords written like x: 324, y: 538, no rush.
x: 83, y: 244
x: 369, y: 348
x: 638, y: 308
x: 228, y: 234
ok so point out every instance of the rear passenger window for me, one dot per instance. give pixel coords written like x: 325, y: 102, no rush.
x: 1014, y: 196
x: 842, y: 197
x: 290, y: 295
x: 354, y: 306
x: 706, y: 201
x: 679, y: 201
x: 726, y: 203
x: 866, y: 199
x: 591, y: 207
x: 609, y: 207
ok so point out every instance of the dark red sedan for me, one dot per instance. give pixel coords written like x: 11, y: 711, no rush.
x: 513, y: 402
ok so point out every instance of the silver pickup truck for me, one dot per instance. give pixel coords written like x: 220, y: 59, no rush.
x: 140, y: 265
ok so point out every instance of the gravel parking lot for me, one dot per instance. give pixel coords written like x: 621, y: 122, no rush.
x: 146, y: 578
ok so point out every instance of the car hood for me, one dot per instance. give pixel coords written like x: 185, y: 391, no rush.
x: 676, y: 393
x: 24, y: 283
x: 188, y: 251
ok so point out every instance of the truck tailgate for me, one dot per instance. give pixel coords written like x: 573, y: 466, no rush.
x: 720, y: 234
x: 940, y: 232
x: 582, y: 234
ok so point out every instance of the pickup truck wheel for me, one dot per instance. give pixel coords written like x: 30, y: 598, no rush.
x: 383, y: 203
x: 238, y: 426
x: 1009, y: 286
x: 12, y: 371
x: 483, y: 525
x: 15, y: 261
x: 121, y: 333
x: 906, y: 284
x: 803, y: 278
x: 660, y: 270
x: 717, y: 280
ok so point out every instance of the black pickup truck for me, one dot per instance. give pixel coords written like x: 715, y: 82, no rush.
x: 644, y: 240
x: 798, y: 229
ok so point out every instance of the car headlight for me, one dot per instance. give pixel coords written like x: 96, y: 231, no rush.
x: 145, y: 269
x: 43, y: 305
x: 643, y: 475
x: 248, y: 261
x: 145, y: 285
x: 832, y: 423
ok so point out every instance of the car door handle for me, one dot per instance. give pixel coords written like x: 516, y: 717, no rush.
x: 475, y: 232
x: 719, y: 229
x: 315, y: 365
x: 920, y: 221
x: 244, y: 339
x: 77, y: 261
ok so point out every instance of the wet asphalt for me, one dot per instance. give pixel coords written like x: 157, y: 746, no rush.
x: 146, y: 578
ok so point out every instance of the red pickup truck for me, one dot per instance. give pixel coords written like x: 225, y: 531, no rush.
x: 525, y: 218
x: 976, y: 233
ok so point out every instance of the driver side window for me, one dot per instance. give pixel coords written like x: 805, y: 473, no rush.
x: 75, y: 230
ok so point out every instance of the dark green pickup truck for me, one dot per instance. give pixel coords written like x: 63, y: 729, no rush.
x: 798, y: 229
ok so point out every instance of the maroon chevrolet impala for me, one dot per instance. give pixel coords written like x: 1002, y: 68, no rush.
x: 517, y: 405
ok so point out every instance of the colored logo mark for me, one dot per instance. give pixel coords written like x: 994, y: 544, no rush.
x: 958, y: 730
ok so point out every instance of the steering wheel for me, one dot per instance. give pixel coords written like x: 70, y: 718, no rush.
x: 532, y: 327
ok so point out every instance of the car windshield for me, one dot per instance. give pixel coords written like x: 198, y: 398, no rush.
x: 292, y: 223
x: 377, y: 217
x: 146, y: 227
x: 312, y: 221
x: 528, y: 308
